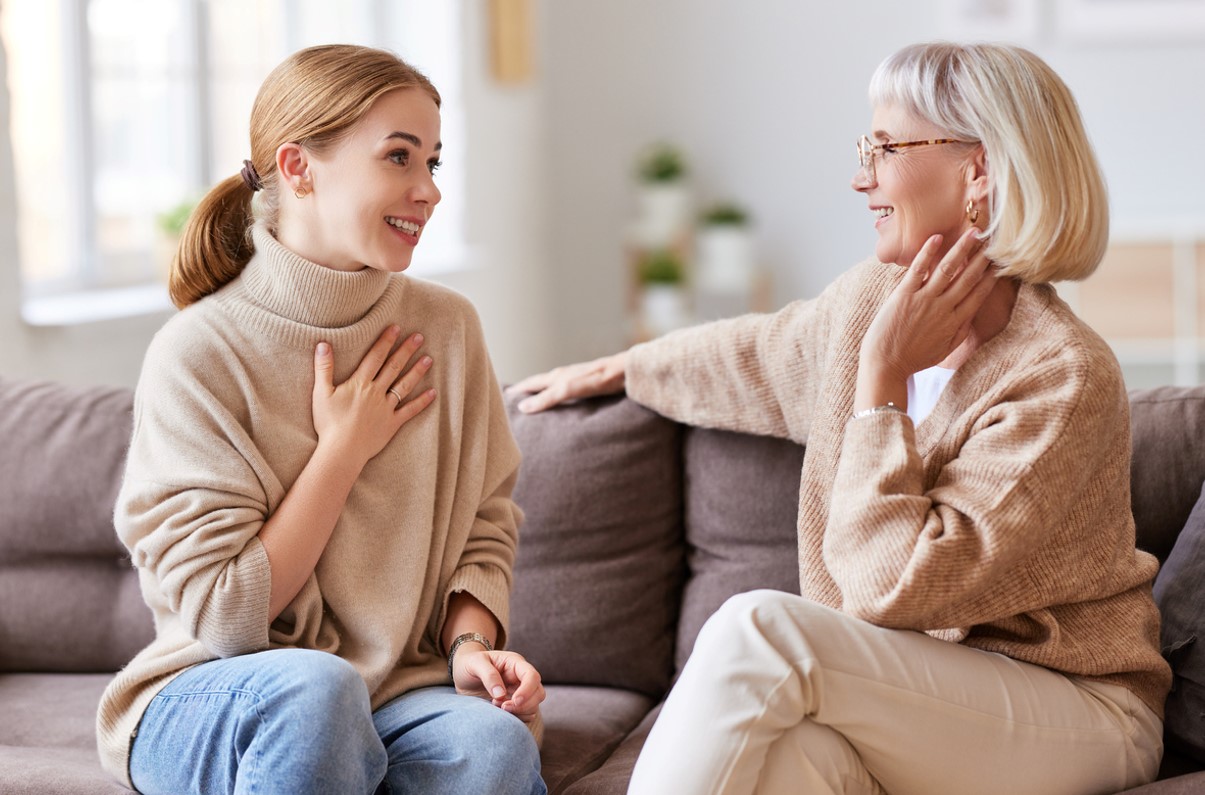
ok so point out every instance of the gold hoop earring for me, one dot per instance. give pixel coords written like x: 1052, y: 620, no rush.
x: 972, y: 211
x: 301, y: 194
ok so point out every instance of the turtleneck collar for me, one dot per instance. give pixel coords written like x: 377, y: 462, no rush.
x: 294, y: 288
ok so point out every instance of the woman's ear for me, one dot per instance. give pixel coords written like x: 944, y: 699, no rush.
x: 978, y: 182
x: 293, y: 165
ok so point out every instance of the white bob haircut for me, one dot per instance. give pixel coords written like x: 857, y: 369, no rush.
x: 1048, y: 208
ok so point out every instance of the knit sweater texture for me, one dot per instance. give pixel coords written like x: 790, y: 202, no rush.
x: 1002, y: 521
x: 223, y: 426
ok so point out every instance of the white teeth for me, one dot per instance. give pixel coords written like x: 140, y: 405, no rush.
x: 406, y: 226
x: 883, y: 212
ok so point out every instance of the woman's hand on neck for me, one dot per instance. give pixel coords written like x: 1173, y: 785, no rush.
x: 925, y: 320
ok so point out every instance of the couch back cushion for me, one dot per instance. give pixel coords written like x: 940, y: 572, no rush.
x: 1168, y: 466
x: 600, y: 563
x: 69, y: 600
x: 1180, y: 592
x: 741, y: 502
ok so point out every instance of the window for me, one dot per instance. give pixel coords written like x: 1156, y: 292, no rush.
x: 124, y: 112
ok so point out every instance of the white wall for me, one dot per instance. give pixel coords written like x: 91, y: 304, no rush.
x: 767, y: 100
x: 508, y: 214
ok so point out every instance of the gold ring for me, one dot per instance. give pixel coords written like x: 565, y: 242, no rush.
x: 395, y: 393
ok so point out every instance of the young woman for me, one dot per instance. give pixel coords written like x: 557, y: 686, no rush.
x: 317, y: 496
x: 974, y: 615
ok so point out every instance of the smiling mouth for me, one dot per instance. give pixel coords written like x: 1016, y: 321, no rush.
x: 883, y: 212
x: 409, y: 227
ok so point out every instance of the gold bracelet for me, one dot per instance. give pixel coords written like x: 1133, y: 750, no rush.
x: 467, y: 637
x: 890, y: 408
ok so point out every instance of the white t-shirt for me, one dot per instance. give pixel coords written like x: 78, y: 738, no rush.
x: 924, y: 388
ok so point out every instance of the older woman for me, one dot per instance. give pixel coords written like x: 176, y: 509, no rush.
x: 974, y: 614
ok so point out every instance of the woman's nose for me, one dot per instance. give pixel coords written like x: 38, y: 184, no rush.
x: 862, y: 180
x: 428, y: 192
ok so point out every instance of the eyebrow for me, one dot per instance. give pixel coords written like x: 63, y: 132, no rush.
x: 412, y: 138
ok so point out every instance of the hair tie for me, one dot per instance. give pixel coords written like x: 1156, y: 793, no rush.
x: 251, y: 176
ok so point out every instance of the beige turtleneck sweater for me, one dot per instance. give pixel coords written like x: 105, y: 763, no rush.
x: 1002, y: 522
x: 222, y: 428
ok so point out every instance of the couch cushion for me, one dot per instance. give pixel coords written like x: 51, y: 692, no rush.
x: 741, y: 502
x: 71, y: 614
x: 48, y: 735
x: 1191, y: 784
x: 70, y: 598
x: 1180, y: 594
x: 582, y: 726
x: 600, y: 560
x: 1168, y: 465
x: 62, y: 453
x: 613, y: 777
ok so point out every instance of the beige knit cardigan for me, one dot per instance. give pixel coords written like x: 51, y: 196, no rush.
x: 222, y: 428
x: 1002, y: 521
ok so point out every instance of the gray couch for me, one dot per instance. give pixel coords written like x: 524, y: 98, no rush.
x: 637, y: 529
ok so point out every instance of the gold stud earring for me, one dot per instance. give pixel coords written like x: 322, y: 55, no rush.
x: 301, y: 194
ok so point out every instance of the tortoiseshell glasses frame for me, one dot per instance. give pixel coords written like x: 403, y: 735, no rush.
x: 868, y: 150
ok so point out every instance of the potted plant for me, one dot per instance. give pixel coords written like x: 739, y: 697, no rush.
x: 724, y: 245
x: 663, y: 199
x: 662, y: 162
x: 724, y: 260
x: 663, y: 300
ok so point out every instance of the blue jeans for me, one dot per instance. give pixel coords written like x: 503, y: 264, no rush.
x: 299, y: 721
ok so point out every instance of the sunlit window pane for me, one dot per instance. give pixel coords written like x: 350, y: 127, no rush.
x: 124, y: 110
x: 33, y: 32
x: 145, y: 128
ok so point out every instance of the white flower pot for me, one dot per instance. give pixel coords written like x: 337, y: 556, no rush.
x: 663, y: 308
x: 663, y: 213
x: 724, y: 259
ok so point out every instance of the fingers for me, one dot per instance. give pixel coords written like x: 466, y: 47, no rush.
x: 505, y: 679
x: 324, y: 369
x: 960, y: 269
x: 406, y: 384
x: 397, y: 361
x: 482, y: 667
x: 411, y: 408
x: 523, y: 681
x: 533, y: 383
x: 370, y: 365
x: 918, y: 272
x: 981, y: 289
x: 530, y: 687
x: 542, y: 400
x: 603, y: 376
x: 550, y: 388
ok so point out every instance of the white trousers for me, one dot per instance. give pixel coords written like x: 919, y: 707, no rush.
x: 782, y: 695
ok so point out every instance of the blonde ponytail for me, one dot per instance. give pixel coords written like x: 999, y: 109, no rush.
x: 215, y: 245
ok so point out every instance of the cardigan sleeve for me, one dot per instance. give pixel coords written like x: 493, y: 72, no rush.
x: 190, y: 507
x: 955, y: 555
x: 735, y: 374
x: 759, y: 373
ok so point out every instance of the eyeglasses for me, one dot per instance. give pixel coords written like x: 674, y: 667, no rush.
x: 867, y: 151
